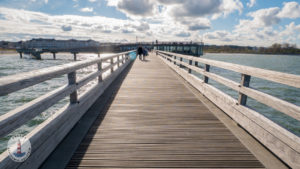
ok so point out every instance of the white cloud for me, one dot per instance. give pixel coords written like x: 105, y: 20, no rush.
x: 170, y: 20
x: 194, y: 8
x: 183, y: 34
x: 194, y: 27
x: 229, y: 6
x: 112, y: 2
x: 66, y: 28
x: 92, y: 0
x: 251, y: 3
x: 177, y: 8
x: 290, y: 10
x: 43, y: 25
x: 46, y: 1
x: 195, y: 24
x: 136, y: 7
x: 219, y: 35
x: 142, y: 27
x: 290, y: 29
x: 86, y: 9
x: 182, y: 18
x: 127, y: 31
x: 265, y: 17
x: 37, y: 24
x: 261, y: 28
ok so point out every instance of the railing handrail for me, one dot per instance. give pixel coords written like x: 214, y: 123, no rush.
x: 275, y: 76
x: 71, y: 112
x: 289, y: 109
x: 281, y: 141
x: 12, y: 83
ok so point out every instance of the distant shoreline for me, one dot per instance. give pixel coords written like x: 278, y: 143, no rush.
x: 8, y: 51
x: 224, y: 52
x: 13, y: 51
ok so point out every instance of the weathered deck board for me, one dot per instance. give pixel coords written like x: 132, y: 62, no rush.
x: 156, y: 122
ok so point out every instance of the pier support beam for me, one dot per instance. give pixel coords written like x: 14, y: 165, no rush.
x: 21, y: 55
x: 98, y: 55
x: 75, y: 55
x: 54, y: 55
x: 37, y: 55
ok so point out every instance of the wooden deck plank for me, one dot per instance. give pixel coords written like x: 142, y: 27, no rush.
x: 154, y: 121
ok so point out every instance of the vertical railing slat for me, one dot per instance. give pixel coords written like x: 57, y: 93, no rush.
x: 72, y: 81
x: 118, y: 60
x: 180, y: 63
x: 206, y: 69
x: 190, y: 63
x: 100, y: 69
x: 174, y: 60
x: 111, y: 63
x: 245, y: 81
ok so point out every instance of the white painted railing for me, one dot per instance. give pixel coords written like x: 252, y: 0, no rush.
x: 46, y: 136
x: 280, y: 141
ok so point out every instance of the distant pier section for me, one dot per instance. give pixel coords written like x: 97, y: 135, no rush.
x: 36, y: 47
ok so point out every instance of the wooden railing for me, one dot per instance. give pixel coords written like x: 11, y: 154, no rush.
x: 46, y: 136
x: 280, y: 141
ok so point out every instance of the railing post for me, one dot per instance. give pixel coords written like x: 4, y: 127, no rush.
x: 75, y: 57
x: 100, y: 69
x: 245, y: 81
x: 190, y: 63
x: 180, y: 65
x: 125, y: 58
x: 72, y: 81
x: 174, y: 60
x: 54, y: 55
x: 118, y: 60
x: 111, y: 63
x: 206, y: 69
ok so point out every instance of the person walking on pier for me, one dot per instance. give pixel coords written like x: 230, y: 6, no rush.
x: 145, y: 53
x: 140, y: 52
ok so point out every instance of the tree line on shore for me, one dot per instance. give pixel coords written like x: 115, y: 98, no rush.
x: 276, y: 48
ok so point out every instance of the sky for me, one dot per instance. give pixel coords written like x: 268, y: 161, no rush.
x: 220, y: 22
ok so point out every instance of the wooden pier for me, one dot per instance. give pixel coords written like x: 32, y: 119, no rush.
x: 153, y: 114
x: 155, y: 121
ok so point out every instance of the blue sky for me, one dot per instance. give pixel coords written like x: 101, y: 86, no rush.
x: 237, y: 22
